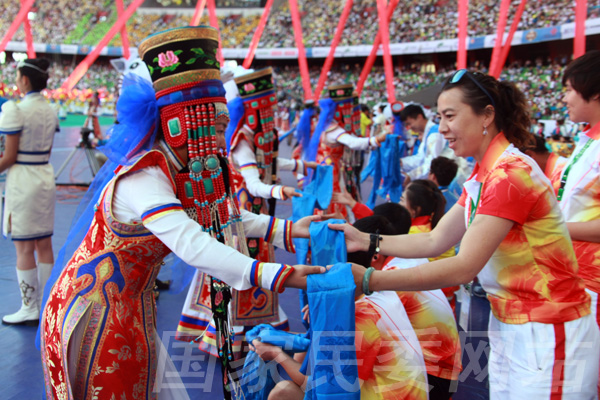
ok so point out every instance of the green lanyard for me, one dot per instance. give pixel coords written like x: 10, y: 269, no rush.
x: 563, y: 179
x: 475, y: 205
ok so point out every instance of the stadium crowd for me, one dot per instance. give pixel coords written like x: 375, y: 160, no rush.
x: 83, y: 22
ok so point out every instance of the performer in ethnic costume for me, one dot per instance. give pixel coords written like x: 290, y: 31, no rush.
x: 337, y: 141
x: 253, y: 149
x: 98, y: 337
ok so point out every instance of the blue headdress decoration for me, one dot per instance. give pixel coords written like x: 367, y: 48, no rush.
x: 304, y: 128
x: 137, y: 113
x: 328, y: 107
x: 236, y: 114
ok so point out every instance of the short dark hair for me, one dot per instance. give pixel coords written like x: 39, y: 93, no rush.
x: 412, y: 111
x: 38, y: 80
x: 371, y: 224
x: 583, y: 75
x: 424, y: 194
x: 538, y: 147
x: 444, y: 170
x: 398, y: 216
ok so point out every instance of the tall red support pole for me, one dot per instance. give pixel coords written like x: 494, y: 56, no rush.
x: 21, y: 15
x: 506, y: 48
x: 198, y: 12
x: 461, y: 56
x: 336, y: 40
x: 301, y: 51
x: 28, y: 36
x: 124, y: 36
x: 214, y: 22
x: 373, y: 55
x: 257, y: 34
x: 387, y: 56
x: 580, y: 17
x: 83, y: 66
x: 502, y: 18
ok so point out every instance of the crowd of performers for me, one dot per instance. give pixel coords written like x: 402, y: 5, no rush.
x: 193, y: 170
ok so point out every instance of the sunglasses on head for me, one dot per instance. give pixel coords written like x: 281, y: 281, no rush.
x: 458, y: 75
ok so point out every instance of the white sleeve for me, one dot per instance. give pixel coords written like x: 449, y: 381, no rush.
x: 351, y: 141
x: 244, y: 157
x: 148, y: 196
x: 12, y: 119
x: 285, y: 164
x: 273, y: 230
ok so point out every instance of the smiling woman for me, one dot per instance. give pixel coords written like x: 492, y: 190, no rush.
x: 515, y: 240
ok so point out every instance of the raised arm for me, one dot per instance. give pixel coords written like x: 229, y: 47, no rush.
x: 479, y: 243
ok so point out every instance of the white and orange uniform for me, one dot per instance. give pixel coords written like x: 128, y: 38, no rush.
x: 433, y: 320
x: 544, y: 342
x: 580, y: 202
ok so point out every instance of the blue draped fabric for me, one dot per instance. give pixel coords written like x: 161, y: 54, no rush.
x: 384, y: 167
x: 330, y: 362
x: 327, y: 246
x: 236, y: 113
x: 317, y: 194
x: 257, y: 379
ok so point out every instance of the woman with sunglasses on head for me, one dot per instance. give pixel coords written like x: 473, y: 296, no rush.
x: 544, y: 341
x: 578, y: 183
x: 30, y: 191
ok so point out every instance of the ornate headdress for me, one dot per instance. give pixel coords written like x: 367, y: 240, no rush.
x: 191, y: 100
x: 258, y: 94
x: 190, y: 96
x: 342, y: 95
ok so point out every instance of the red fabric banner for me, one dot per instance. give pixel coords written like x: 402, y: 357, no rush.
x: 506, y: 48
x: 502, y: 18
x: 387, y: 56
x: 200, y: 4
x: 28, y: 36
x: 257, y: 34
x: 301, y: 51
x: 83, y: 66
x: 579, y: 40
x: 336, y: 40
x: 214, y: 22
x: 124, y: 37
x: 373, y: 55
x: 461, y: 56
x: 21, y: 15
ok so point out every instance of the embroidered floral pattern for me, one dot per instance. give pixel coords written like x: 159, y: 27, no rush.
x: 167, y: 61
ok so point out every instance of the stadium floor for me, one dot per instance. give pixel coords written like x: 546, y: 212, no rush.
x: 20, y: 363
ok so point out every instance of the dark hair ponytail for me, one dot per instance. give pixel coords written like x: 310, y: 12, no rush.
x: 513, y: 118
x: 510, y: 105
x: 428, y: 197
x: 36, y: 69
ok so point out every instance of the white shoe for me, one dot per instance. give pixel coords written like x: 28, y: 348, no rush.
x: 29, y: 313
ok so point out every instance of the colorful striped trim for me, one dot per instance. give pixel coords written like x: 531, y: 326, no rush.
x: 160, y: 211
x: 248, y: 166
x: 288, y: 241
x: 340, y: 135
x: 271, y: 229
x: 256, y: 273
x: 280, y: 278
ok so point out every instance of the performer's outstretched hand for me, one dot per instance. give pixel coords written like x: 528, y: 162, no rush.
x: 311, y: 164
x: 300, y: 229
x: 297, y: 278
x: 355, y: 239
x: 289, y: 191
